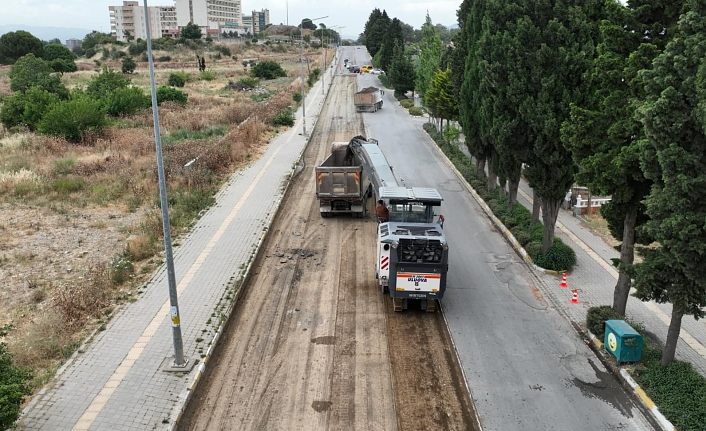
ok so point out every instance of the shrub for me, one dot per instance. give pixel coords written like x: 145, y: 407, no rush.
x: 176, y: 79
x: 521, y: 236
x: 208, y: 75
x: 73, y: 119
x: 37, y: 104
x: 90, y: 52
x: 559, y: 257
x: 596, y: 317
x: 128, y: 65
x: 137, y: 48
x: 223, y: 50
x: 30, y: 71
x: 284, y: 117
x: 67, y: 185
x: 124, y: 101
x: 14, y: 385
x: 249, y: 81
x: 164, y: 58
x: 415, y: 112
x: 12, y: 112
x: 313, y: 77
x: 534, y: 249
x: 267, y: 70
x: 169, y: 94
x: 297, y: 97
x: 406, y: 103
x: 678, y: 389
x: 106, y: 81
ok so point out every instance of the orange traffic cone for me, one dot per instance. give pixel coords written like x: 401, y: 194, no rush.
x: 563, y: 281
x: 575, y: 298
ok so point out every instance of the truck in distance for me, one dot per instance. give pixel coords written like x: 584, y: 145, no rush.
x: 368, y: 99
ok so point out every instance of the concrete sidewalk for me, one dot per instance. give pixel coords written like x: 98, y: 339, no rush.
x: 116, y: 381
x: 595, y: 277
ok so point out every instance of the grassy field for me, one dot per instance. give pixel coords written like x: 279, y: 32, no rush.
x: 80, y: 227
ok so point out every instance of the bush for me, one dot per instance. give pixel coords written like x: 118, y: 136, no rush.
x: 559, y: 257
x: 176, y: 80
x: 12, y: 112
x: 37, y: 104
x: 415, y: 112
x: 169, y: 94
x: 30, y: 71
x: 223, y: 50
x: 313, y: 77
x: 164, y: 59
x: 124, y: 101
x: 107, y: 81
x: 284, y: 117
x: 14, y: 385
x: 534, y: 249
x: 297, y: 97
x: 137, y: 48
x: 521, y: 236
x: 128, y: 65
x: 249, y: 81
x: 267, y: 70
x: 73, y: 119
x: 406, y: 103
x: 90, y: 52
x: 596, y: 317
x: 208, y: 75
x: 678, y: 389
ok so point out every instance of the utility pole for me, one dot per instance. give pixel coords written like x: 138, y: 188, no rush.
x: 180, y: 363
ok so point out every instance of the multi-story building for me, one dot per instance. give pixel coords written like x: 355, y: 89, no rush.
x: 260, y: 20
x: 130, y: 18
x: 213, y: 16
x: 247, y: 23
x: 73, y: 43
x: 210, y: 15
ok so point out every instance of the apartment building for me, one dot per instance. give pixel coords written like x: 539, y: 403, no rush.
x: 260, y: 19
x: 210, y: 15
x: 130, y: 17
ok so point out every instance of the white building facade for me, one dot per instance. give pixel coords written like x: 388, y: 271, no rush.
x: 211, y: 15
x: 130, y: 17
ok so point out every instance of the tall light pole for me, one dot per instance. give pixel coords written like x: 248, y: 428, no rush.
x: 301, y: 44
x: 179, y: 360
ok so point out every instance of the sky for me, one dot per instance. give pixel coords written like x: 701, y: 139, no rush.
x: 93, y: 14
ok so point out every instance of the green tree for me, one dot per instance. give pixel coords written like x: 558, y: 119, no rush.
x: 107, y: 81
x: 440, y: 98
x: 401, y: 70
x: 128, y: 65
x: 558, y: 47
x: 191, y: 31
x: 429, y: 57
x: 307, y: 24
x: 30, y: 71
x: 37, y: 103
x: 673, y: 157
x: 267, y: 70
x: 459, y: 52
x: 54, y: 51
x: 95, y: 38
x: 128, y: 36
x: 72, y: 119
x: 375, y: 30
x: 62, y: 66
x: 14, y: 385
x: 604, y: 135
x: 17, y: 44
x: 409, y: 34
x: 393, y: 33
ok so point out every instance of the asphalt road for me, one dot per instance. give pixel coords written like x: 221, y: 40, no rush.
x: 526, y: 367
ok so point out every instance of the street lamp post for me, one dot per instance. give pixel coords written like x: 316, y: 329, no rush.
x: 301, y: 44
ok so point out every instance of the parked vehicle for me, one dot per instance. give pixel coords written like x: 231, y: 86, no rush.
x: 366, y: 69
x: 377, y: 72
x: 368, y: 99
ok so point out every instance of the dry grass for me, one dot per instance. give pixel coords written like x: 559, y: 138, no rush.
x: 599, y: 226
x: 69, y: 260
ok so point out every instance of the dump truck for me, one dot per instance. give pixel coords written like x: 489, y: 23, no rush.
x: 368, y: 99
x: 342, y: 185
x: 412, y: 252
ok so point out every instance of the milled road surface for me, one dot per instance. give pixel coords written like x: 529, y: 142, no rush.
x: 313, y: 344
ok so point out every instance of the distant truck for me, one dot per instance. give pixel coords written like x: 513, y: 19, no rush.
x: 368, y: 99
x: 342, y: 186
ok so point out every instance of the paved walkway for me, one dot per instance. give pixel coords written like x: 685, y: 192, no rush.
x: 116, y: 381
x: 595, y: 278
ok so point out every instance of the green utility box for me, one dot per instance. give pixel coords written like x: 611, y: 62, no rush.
x: 622, y: 341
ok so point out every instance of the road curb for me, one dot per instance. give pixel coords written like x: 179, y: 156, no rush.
x: 627, y: 379
x: 201, y: 369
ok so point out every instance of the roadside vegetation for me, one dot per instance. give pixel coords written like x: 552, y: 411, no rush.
x: 78, y: 186
x: 678, y: 389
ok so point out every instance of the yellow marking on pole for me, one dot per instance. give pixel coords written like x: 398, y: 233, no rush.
x: 99, y: 401
x: 684, y: 335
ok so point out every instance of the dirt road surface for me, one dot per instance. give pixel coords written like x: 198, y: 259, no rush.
x: 313, y: 344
